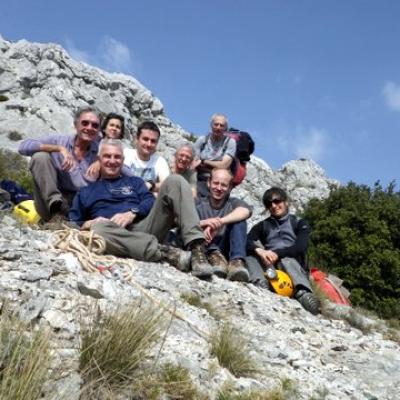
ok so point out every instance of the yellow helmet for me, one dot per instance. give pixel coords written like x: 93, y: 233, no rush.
x: 26, y: 212
x: 282, y: 284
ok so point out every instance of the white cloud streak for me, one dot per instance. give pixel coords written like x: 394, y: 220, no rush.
x: 308, y: 143
x: 391, y: 94
x: 109, y: 54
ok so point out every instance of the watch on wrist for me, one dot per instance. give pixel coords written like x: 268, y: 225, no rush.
x: 134, y: 210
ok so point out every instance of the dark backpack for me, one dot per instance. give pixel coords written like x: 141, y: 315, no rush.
x: 244, y: 148
x: 244, y: 144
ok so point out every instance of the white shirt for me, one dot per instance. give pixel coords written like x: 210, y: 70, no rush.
x: 155, y: 169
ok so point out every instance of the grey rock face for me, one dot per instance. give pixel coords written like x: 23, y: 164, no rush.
x: 323, y: 357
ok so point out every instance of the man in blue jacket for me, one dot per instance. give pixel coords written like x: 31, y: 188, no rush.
x: 124, y: 212
x: 281, y: 240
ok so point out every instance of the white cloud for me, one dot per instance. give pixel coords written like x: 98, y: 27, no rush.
x: 109, y: 54
x: 75, y: 53
x: 115, y: 55
x: 391, y: 93
x: 308, y: 143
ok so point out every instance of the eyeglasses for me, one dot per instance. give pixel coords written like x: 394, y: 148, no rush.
x: 268, y: 204
x: 95, y: 125
x: 218, y: 124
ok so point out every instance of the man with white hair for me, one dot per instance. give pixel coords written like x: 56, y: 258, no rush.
x: 123, y: 211
x: 183, y: 159
x: 59, y: 163
x: 215, y: 150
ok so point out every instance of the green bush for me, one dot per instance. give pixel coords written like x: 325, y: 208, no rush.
x: 15, y: 167
x: 356, y: 235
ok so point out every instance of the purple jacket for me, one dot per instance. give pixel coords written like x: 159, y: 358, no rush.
x: 71, y: 180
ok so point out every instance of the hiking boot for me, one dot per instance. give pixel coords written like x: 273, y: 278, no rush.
x: 200, y: 266
x: 218, y: 263
x: 179, y: 258
x: 237, y: 270
x: 309, y: 301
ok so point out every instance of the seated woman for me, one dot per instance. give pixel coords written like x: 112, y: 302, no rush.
x: 113, y: 127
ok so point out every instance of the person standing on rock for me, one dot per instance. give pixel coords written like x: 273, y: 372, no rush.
x: 223, y: 219
x: 59, y: 163
x: 123, y: 211
x: 143, y: 161
x: 281, y: 240
x: 215, y: 150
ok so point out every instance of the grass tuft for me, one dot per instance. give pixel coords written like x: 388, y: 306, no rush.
x: 232, y: 352
x: 115, y: 344
x: 24, y: 360
x: 195, y: 300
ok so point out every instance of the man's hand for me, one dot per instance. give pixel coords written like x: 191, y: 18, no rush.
x: 267, y: 256
x: 213, y: 223
x: 88, y: 224
x: 209, y: 234
x: 123, y: 219
x: 68, y: 160
x: 93, y: 171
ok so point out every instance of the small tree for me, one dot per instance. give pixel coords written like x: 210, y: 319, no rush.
x: 356, y: 235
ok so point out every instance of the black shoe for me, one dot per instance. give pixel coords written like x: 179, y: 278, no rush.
x: 309, y: 301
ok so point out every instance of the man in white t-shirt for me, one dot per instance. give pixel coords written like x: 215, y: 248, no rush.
x: 143, y: 161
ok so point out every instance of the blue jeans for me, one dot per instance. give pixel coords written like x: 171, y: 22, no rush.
x: 232, y: 243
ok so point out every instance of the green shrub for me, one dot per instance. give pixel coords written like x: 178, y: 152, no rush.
x: 15, y: 167
x: 177, y: 383
x: 232, y: 351
x: 24, y: 360
x: 356, y: 235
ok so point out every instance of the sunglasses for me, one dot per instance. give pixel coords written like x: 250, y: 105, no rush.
x: 94, y: 125
x: 275, y: 201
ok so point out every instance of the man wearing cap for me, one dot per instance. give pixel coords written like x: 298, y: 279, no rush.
x: 281, y: 240
x: 59, y: 163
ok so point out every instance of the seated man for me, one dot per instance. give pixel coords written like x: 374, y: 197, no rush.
x: 215, y: 150
x: 143, y: 161
x: 184, y: 156
x: 123, y: 211
x: 59, y: 163
x: 223, y: 219
x: 281, y: 240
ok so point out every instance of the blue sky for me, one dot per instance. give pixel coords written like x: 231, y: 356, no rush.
x: 315, y: 79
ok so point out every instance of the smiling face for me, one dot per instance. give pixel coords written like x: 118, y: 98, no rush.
x: 183, y: 159
x: 113, y: 129
x: 220, y: 184
x: 87, y: 126
x: 278, y: 207
x: 111, y: 160
x: 146, y: 143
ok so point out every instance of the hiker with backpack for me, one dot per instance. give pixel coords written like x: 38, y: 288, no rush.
x: 222, y: 148
x: 281, y: 241
x: 215, y: 150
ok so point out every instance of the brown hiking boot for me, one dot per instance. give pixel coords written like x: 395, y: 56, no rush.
x: 218, y: 263
x: 200, y: 266
x: 180, y: 259
x: 237, y: 270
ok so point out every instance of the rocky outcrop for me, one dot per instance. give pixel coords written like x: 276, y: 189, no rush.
x: 41, y: 87
x: 324, y: 358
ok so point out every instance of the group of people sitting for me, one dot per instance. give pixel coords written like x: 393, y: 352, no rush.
x: 134, y: 200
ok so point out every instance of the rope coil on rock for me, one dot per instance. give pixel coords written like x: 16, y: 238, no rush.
x: 89, y: 247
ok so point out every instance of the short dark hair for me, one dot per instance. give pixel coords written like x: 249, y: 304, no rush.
x: 273, y: 192
x: 150, y: 125
x: 113, y: 116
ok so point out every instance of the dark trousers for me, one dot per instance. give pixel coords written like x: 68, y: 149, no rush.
x: 232, y: 244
